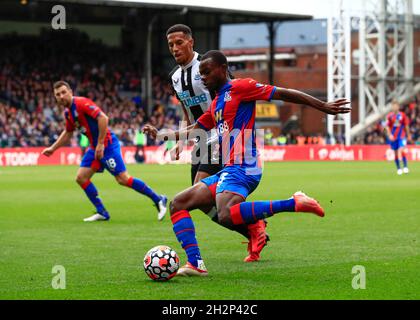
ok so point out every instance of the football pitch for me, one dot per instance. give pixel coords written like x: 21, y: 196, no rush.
x: 372, y: 220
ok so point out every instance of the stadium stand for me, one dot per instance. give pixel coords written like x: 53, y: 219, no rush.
x: 110, y: 77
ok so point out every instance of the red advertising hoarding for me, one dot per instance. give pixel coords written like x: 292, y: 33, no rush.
x: 335, y: 153
x: 72, y: 155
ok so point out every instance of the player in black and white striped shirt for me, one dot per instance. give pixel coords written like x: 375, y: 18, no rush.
x: 193, y: 95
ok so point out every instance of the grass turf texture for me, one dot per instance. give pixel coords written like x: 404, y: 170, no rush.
x: 372, y: 219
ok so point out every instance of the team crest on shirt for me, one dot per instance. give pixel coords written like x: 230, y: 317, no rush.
x: 197, y: 77
x: 227, y: 97
x: 176, y: 81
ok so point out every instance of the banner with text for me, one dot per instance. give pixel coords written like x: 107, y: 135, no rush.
x: 159, y: 155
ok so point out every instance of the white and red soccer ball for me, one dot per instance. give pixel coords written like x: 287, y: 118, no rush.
x: 161, y: 263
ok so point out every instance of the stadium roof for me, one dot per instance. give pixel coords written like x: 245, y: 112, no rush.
x: 144, y: 23
x: 222, y: 7
x: 97, y: 11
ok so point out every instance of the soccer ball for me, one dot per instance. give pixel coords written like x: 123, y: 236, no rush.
x: 161, y: 263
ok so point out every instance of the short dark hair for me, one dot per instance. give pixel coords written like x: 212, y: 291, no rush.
x: 61, y: 83
x: 217, y: 57
x: 179, y: 28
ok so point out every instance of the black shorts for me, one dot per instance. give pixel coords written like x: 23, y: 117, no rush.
x: 208, y: 166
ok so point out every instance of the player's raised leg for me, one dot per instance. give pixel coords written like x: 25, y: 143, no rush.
x: 195, y: 197
x: 235, y: 211
x: 140, y: 186
x: 83, y: 177
x: 251, y: 212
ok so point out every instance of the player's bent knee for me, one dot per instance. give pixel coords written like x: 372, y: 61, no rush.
x: 122, y: 180
x: 171, y: 207
x: 176, y: 205
x: 225, y: 220
x: 224, y: 217
x: 81, y: 179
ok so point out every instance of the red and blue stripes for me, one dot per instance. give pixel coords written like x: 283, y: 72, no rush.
x: 141, y: 187
x: 184, y: 230
x: 235, y: 122
x: 251, y: 212
x: 398, y: 125
x: 92, y: 194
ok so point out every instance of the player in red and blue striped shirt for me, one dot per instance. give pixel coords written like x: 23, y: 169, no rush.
x: 104, y: 151
x: 398, y: 132
x: 232, y: 113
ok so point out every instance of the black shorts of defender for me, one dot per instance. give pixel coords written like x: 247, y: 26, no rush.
x: 206, y: 163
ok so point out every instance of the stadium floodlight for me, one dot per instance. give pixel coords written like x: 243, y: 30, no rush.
x: 386, y: 59
x: 339, y: 70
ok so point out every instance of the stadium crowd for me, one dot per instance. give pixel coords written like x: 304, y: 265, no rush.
x: 111, y: 77
x: 29, y: 115
x: 376, y: 133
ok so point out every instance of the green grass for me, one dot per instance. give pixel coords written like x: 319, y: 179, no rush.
x: 372, y: 219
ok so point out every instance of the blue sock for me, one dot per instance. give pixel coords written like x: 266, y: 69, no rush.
x: 183, y: 227
x: 397, y: 162
x: 92, y: 194
x: 405, y: 162
x: 251, y: 212
x: 141, y: 187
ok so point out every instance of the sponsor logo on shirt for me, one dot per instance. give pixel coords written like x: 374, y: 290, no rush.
x: 189, y: 101
x: 227, y: 97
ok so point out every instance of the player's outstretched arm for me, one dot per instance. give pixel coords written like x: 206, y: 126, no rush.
x: 299, y: 97
x: 166, y: 134
x: 62, y: 140
x: 389, y: 134
x: 150, y: 130
x: 102, y: 127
